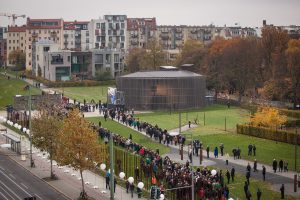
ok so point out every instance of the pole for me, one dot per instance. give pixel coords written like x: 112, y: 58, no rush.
x: 225, y: 123
x: 296, y: 144
x: 179, y: 122
x: 111, y: 162
x: 204, y: 119
x: 30, y: 134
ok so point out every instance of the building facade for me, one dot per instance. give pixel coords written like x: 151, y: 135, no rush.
x: 139, y: 31
x: 16, y: 40
x: 107, y: 60
x: 39, y: 51
x: 76, y: 36
x: 81, y: 65
x: 38, y: 29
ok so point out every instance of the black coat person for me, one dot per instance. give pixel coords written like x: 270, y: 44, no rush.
x: 280, y: 165
x: 131, y: 189
x: 264, y: 172
x: 232, y: 173
x: 282, y: 191
x: 228, y: 176
x: 254, y: 150
x: 258, y: 193
x: 246, y: 188
x: 274, y: 165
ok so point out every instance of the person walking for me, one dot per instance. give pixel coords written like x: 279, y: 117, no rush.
x: 115, y: 184
x: 131, y: 189
x: 281, y: 165
x: 282, y: 191
x: 246, y: 188
x: 127, y: 186
x: 107, y: 178
x: 248, y: 177
x: 248, y: 195
x: 255, y: 165
x: 264, y: 172
x: 228, y: 176
x: 216, y: 152
x: 258, y: 193
x: 232, y: 173
x: 274, y: 165
x: 285, y: 166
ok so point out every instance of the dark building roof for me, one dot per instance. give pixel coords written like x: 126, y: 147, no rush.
x: 162, y: 74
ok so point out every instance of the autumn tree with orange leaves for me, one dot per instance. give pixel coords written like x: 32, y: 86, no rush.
x: 268, y: 117
x: 78, y: 146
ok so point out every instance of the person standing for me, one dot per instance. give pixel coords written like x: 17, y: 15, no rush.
x: 115, y: 184
x: 254, y: 150
x: 232, y: 173
x: 228, y: 176
x: 281, y: 165
x: 207, y: 151
x: 216, y: 152
x: 274, y: 165
x: 246, y: 188
x: 258, y: 193
x: 248, y: 177
x: 250, y: 150
x: 222, y: 149
x: 285, y: 166
x: 127, y: 186
x: 248, y: 196
x: 282, y: 191
x: 264, y: 172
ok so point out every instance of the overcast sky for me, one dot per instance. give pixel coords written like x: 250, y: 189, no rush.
x: 167, y: 12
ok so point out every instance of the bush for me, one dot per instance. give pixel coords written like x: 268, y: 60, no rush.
x: 290, y: 113
x: 270, y: 134
x: 84, y: 83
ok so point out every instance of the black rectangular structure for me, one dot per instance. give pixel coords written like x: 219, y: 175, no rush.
x: 163, y: 90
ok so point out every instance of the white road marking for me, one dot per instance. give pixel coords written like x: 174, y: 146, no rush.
x: 15, y: 183
x: 12, y: 176
x: 10, y: 190
x: 37, y: 196
x: 24, y: 185
x: 3, y: 196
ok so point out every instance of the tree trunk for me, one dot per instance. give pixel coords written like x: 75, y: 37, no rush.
x: 82, y: 183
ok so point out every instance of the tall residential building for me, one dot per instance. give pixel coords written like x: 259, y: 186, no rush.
x: 233, y: 32
x: 109, y: 32
x: 76, y: 36
x: 16, y: 40
x: 3, y: 31
x: 139, y: 31
x: 38, y: 29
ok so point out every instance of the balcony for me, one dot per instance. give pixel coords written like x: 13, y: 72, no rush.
x: 66, y: 35
x: 134, y: 42
x: 77, y: 41
x: 65, y: 42
x: 164, y: 37
x: 177, y: 30
x: 56, y: 61
x: 134, y: 35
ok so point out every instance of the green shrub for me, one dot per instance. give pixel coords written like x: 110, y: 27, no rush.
x: 290, y: 113
x: 270, y: 134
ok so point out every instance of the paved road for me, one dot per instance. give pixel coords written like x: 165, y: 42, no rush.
x: 17, y: 183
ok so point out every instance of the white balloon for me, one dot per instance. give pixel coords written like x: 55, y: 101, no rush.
x: 213, y: 172
x: 24, y: 129
x: 140, y: 185
x: 162, y: 196
x: 130, y: 179
x: 19, y: 127
x: 28, y: 131
x: 230, y: 199
x: 122, y: 175
x: 16, y: 125
x: 1, y: 118
x: 103, y: 166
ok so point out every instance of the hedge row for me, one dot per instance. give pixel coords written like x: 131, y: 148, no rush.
x: 83, y: 83
x: 290, y: 113
x: 270, y: 134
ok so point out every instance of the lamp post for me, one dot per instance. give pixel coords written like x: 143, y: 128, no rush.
x: 29, y: 126
x: 111, y: 162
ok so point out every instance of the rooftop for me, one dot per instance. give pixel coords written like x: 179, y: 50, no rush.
x: 162, y: 74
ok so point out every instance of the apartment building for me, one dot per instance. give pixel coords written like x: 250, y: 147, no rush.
x: 233, y: 32
x: 39, y: 51
x: 16, y: 40
x: 139, y: 31
x: 76, y: 36
x: 38, y: 29
x: 58, y: 65
x: 81, y: 65
x: 107, y: 60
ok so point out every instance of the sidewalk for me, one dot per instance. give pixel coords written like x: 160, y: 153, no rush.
x: 69, y: 182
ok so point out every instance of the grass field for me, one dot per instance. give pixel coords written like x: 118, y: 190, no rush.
x: 88, y: 93
x: 214, y: 118
x: 124, y: 131
x: 9, y: 88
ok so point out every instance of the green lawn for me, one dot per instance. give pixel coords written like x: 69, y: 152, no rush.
x: 124, y: 131
x: 266, y: 150
x: 88, y: 93
x: 214, y: 118
x: 10, y: 88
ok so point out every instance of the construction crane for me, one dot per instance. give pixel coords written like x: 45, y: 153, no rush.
x: 13, y: 16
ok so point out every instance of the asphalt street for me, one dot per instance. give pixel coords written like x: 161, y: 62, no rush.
x: 17, y: 183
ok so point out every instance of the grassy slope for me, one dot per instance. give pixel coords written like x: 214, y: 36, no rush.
x: 88, y: 93
x: 9, y: 88
x: 124, y: 131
